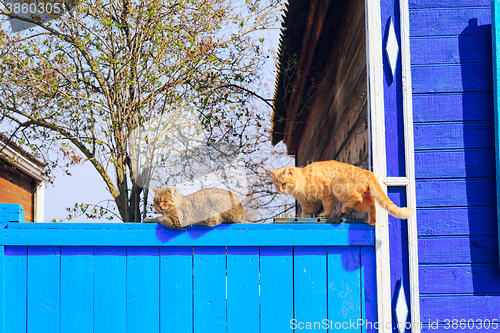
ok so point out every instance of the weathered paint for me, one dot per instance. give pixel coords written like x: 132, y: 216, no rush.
x: 144, y: 287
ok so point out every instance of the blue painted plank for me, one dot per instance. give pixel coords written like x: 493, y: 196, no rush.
x: 209, y: 289
x: 456, y: 192
x: 451, y: 49
x: 458, y: 250
x: 460, y: 163
x: 368, y: 289
x: 143, y: 289
x: 276, y: 289
x: 454, y: 135
x: 459, y: 221
x: 475, y: 324
x: 243, y: 289
x: 176, y: 289
x: 261, y: 235
x: 459, y: 307
x: 10, y: 212
x: 310, y: 286
x: 450, y: 21
x: 495, y: 13
x: 44, y: 289
x: 344, y: 288
x: 110, y: 289
x: 2, y: 288
x: 451, y: 78
x: 16, y: 269
x: 452, y: 107
x: 459, y: 279
x: 77, y: 295
x: 447, y: 3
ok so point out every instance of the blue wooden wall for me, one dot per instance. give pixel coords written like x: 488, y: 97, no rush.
x: 144, y: 278
x: 455, y: 161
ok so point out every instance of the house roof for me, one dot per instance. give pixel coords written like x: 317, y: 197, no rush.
x: 23, y: 160
x: 293, y: 27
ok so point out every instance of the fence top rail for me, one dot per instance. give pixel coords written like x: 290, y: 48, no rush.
x: 152, y: 234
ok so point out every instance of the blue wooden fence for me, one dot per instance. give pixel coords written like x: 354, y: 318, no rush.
x: 145, y: 278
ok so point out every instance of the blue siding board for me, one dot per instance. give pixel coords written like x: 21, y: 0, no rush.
x: 243, y: 289
x: 210, y: 289
x: 450, y: 21
x: 446, y: 3
x: 458, y: 250
x: 455, y: 192
x: 143, y: 291
x: 276, y: 288
x: 452, y: 107
x: 454, y: 135
x: 459, y: 279
x: 110, y: 289
x: 460, y: 163
x: 15, y: 279
x: 310, y: 285
x: 451, y: 49
x: 457, y: 221
x: 44, y: 263
x: 77, y: 296
x: 344, y: 287
x: 176, y: 290
x: 368, y: 289
x: 114, y: 234
x: 459, y: 307
x: 450, y: 78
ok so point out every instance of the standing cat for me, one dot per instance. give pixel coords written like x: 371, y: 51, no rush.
x: 322, y: 182
x: 208, y: 207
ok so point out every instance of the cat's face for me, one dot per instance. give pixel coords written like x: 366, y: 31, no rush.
x: 284, y: 179
x: 166, y: 199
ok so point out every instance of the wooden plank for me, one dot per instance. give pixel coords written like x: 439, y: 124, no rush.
x: 450, y: 21
x: 110, y: 287
x: 344, y: 287
x: 454, y: 135
x: 451, y: 49
x: 310, y: 286
x: 176, y: 289
x: 43, y: 289
x: 476, y: 326
x: 369, y: 290
x: 450, y: 78
x: 460, y: 163
x: 460, y: 279
x: 446, y: 3
x: 456, y: 192
x: 143, y: 289
x: 243, y: 308
x: 452, y: 107
x: 276, y: 289
x: 262, y: 235
x: 495, y: 13
x: 459, y: 307
x: 209, y: 289
x: 458, y: 250
x: 16, y: 268
x: 77, y: 294
x: 457, y: 221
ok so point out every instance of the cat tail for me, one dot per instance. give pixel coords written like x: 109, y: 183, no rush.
x: 379, y: 194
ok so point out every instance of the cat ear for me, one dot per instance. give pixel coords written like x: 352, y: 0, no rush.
x: 274, y: 172
x: 173, y: 190
x: 288, y: 171
x: 155, y: 190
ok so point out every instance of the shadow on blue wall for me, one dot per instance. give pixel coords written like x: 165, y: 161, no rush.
x: 475, y: 48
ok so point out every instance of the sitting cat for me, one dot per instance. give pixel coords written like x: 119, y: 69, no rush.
x: 208, y: 207
x: 322, y: 182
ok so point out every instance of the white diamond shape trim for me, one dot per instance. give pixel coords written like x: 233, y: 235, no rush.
x: 401, y: 309
x: 392, y: 48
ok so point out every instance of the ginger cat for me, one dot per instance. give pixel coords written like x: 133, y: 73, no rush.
x: 322, y: 182
x: 209, y: 207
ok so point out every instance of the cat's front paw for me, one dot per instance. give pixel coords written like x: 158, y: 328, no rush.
x: 324, y: 215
